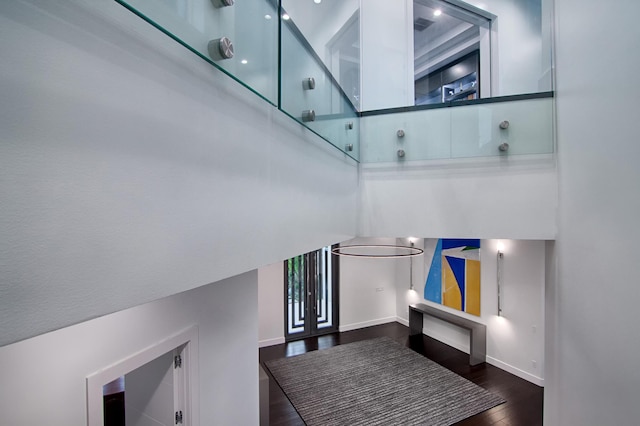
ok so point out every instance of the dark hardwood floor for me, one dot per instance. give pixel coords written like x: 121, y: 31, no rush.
x: 524, y: 399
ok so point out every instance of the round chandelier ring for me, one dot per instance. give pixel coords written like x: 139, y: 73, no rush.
x: 408, y: 251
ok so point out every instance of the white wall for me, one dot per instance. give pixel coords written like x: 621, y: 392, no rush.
x: 271, y: 304
x: 43, y: 378
x: 367, y: 288
x: 596, y: 376
x: 522, y: 51
x: 513, y: 341
x: 506, y: 198
x: 130, y: 169
x: 386, y: 50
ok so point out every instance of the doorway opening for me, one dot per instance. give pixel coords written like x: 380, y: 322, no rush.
x: 311, y: 294
x: 154, y: 386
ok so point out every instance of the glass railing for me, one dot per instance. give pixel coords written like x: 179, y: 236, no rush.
x: 239, y: 38
x: 312, y: 72
x: 499, y: 127
x: 311, y: 95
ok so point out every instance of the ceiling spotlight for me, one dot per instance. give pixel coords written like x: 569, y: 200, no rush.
x: 244, y: 61
x: 285, y: 17
x: 317, y: 1
x: 267, y: 16
x: 437, y: 12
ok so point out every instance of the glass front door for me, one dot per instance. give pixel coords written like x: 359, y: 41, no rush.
x: 311, y: 296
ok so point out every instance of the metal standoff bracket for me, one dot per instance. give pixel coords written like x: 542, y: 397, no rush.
x: 308, y: 115
x: 220, y: 49
x: 400, y: 133
x: 309, y: 83
x: 401, y: 153
x: 222, y: 3
x: 503, y: 147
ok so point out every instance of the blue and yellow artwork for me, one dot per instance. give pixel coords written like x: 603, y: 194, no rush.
x: 454, y: 276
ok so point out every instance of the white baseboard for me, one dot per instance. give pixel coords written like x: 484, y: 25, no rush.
x: 402, y: 321
x: 490, y: 360
x: 270, y: 342
x: 358, y: 325
x: 516, y: 371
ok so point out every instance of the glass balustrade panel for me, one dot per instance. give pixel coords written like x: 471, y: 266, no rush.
x: 476, y: 131
x: 241, y: 39
x: 463, y: 131
x: 420, y: 135
x: 311, y: 95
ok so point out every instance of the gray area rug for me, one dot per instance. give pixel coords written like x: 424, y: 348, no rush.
x: 377, y: 382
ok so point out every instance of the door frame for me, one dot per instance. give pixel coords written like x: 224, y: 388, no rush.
x: 185, y: 378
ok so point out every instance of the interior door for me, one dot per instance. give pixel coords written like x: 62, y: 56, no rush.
x: 311, y: 294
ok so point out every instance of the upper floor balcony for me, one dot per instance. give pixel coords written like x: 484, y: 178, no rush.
x: 385, y: 82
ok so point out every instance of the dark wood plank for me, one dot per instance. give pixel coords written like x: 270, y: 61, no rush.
x: 524, y: 399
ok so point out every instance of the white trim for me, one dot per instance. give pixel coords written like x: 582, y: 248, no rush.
x: 402, y: 321
x: 271, y: 342
x: 490, y: 360
x: 516, y: 371
x: 95, y: 381
x: 371, y: 323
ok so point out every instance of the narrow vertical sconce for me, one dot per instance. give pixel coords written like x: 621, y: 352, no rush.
x: 411, y: 269
x: 499, y: 278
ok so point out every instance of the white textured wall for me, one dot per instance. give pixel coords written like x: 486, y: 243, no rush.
x: 386, y: 51
x: 501, y: 198
x: 522, y: 51
x: 271, y: 304
x: 367, y: 288
x: 596, y: 376
x: 43, y: 378
x: 130, y: 169
x: 513, y: 341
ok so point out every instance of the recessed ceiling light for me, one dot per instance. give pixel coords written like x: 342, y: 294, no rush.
x: 267, y: 17
x: 285, y: 17
x: 317, y: 1
x: 437, y: 12
x: 244, y: 61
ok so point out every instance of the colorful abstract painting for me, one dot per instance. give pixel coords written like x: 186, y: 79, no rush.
x: 454, y: 276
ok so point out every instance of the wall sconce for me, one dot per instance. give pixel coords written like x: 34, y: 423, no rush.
x: 499, y: 278
x: 411, y: 267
